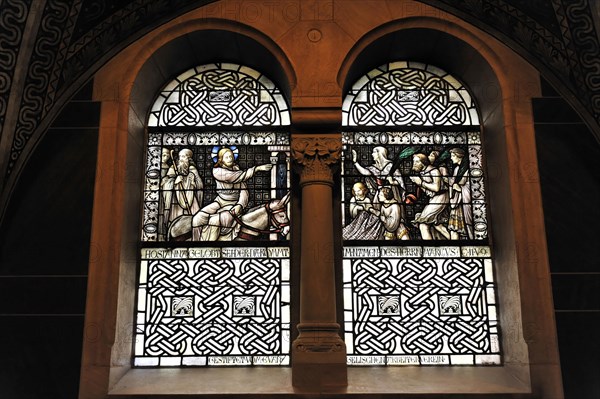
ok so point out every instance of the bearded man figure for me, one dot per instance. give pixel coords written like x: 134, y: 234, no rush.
x: 218, y: 218
x: 431, y: 181
x: 182, y: 190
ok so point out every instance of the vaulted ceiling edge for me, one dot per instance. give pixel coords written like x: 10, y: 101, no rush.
x: 558, y: 37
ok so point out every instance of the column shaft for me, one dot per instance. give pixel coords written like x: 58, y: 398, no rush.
x: 318, y: 354
x: 317, y: 288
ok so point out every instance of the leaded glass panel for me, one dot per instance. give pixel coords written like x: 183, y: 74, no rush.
x: 419, y: 284
x: 380, y: 177
x: 220, y: 95
x: 214, y: 271
x: 213, y: 306
x: 408, y: 94
x: 420, y: 305
x: 216, y: 186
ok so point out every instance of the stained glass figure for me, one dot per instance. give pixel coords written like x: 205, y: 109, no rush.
x: 419, y: 286
x: 214, y: 272
x: 413, y: 186
x: 213, y: 190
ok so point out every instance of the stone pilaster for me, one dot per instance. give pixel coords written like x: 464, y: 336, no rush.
x: 318, y: 354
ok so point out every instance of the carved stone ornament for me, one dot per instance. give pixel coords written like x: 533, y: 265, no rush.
x: 323, y: 344
x: 316, y: 156
x: 321, y: 337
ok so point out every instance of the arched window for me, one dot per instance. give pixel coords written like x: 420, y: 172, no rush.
x: 213, y: 286
x: 418, y: 277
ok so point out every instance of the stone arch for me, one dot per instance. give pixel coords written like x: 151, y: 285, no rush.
x: 489, y: 69
x: 106, y: 360
x: 127, y: 94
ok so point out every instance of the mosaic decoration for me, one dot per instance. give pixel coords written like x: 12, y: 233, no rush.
x: 407, y: 302
x: 220, y: 95
x: 408, y: 94
x: 12, y: 26
x: 213, y: 306
x: 214, y: 273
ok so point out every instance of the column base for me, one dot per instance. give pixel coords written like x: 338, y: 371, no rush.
x: 319, y: 358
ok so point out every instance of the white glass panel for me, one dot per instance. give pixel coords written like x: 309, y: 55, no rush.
x: 146, y: 361
x: 139, y: 343
x: 360, y: 83
x: 450, y: 79
x: 186, y: 75
x: 170, y: 361
x: 474, y: 116
x: 397, y: 65
x: 435, y: 70
x: 487, y: 359
x: 416, y: 65
x: 194, y: 361
x: 250, y: 72
x: 230, y: 67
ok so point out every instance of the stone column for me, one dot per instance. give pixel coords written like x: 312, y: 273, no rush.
x: 318, y: 354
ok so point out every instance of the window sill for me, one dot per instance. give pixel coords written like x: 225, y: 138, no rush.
x: 361, y: 380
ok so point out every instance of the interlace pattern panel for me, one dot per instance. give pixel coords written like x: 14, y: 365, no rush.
x: 225, y: 306
x: 408, y: 94
x: 419, y: 305
x: 220, y: 95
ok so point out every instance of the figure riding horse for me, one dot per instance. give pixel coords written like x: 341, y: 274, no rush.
x: 268, y: 218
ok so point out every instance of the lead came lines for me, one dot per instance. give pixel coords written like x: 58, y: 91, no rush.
x: 420, y: 307
x: 231, y: 307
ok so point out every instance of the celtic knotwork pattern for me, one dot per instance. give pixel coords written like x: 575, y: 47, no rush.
x: 408, y: 96
x: 584, y: 36
x: 419, y: 307
x: 12, y: 24
x: 44, y: 55
x: 215, y: 96
x: 213, y: 308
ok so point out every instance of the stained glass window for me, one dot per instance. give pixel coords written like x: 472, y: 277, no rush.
x: 213, y: 286
x: 419, y: 286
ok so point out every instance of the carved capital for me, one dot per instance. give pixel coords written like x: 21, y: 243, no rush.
x: 316, y: 156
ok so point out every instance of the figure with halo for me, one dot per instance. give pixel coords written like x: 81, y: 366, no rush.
x: 217, y: 220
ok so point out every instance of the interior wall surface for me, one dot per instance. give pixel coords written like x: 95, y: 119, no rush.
x: 315, y: 56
